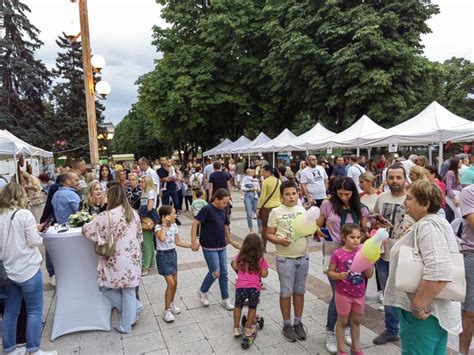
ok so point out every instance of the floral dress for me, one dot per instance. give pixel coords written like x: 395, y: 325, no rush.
x: 124, y: 268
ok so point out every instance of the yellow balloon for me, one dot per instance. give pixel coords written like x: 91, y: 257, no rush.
x: 301, y: 227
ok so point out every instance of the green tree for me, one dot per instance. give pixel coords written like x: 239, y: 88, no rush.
x: 459, y: 87
x: 133, y: 134
x: 338, y: 60
x: 69, y: 121
x: 25, y: 80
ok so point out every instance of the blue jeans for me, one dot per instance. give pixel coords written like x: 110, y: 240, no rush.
x: 170, y: 195
x: 32, y: 292
x: 216, y: 261
x: 125, y: 301
x: 251, y: 203
x: 49, y: 265
x: 391, y: 316
x: 332, y: 313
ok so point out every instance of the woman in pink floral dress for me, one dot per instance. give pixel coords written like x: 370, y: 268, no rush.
x: 119, y: 275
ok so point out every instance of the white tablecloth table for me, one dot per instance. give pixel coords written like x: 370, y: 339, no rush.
x: 79, y: 304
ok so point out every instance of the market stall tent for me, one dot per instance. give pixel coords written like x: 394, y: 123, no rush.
x: 235, y: 145
x: 27, y: 148
x: 225, y: 142
x: 276, y: 143
x: 434, y: 124
x: 247, y: 148
x: 316, y: 134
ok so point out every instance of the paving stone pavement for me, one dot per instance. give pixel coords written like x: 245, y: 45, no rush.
x: 199, y: 330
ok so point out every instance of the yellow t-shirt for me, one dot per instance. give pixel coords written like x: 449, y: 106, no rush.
x: 282, y: 218
x: 268, y: 186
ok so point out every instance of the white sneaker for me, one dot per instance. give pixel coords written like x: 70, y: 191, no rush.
x: 347, y: 337
x: 168, y: 316
x: 382, y: 308
x: 237, y: 332
x: 18, y: 351
x: 52, y: 280
x: 42, y: 352
x: 380, y: 296
x: 228, y: 305
x: 174, y: 309
x: 330, y: 342
x: 203, y: 298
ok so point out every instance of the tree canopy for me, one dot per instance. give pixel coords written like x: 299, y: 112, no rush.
x: 232, y: 67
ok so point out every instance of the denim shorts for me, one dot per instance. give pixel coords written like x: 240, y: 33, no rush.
x: 292, y: 273
x: 468, y: 304
x: 167, y: 262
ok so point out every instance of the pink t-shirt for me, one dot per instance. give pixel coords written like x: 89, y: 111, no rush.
x: 354, y: 284
x: 250, y: 280
x: 333, y: 219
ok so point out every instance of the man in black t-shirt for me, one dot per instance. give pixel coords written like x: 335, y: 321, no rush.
x: 168, y: 183
x: 218, y: 180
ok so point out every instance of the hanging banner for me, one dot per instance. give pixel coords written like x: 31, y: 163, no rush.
x: 288, y: 153
x: 329, y: 150
x: 393, y: 148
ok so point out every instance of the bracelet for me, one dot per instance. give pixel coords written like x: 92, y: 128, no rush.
x: 418, y: 310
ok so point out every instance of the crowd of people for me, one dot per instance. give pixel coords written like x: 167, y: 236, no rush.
x: 137, y: 206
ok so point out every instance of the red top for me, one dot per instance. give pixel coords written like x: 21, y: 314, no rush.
x: 442, y: 186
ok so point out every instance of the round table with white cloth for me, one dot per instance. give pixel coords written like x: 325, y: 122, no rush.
x: 79, y: 304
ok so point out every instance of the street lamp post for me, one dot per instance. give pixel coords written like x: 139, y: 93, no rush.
x: 88, y: 84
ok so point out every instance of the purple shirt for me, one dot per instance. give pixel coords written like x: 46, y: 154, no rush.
x: 466, y: 203
x: 354, y: 284
x: 333, y: 220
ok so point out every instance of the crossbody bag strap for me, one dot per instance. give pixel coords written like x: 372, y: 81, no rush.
x: 8, y: 233
x: 269, y: 197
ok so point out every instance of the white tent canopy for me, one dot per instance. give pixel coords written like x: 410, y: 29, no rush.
x: 225, y: 142
x: 10, y: 148
x: 247, y: 148
x: 238, y: 143
x: 276, y: 143
x: 316, y: 134
x: 21, y: 147
x: 350, y: 137
x: 434, y: 124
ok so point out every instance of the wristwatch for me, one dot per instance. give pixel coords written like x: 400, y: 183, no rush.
x: 419, y: 310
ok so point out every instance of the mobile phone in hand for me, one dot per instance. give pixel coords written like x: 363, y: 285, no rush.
x: 46, y: 224
x: 327, y: 234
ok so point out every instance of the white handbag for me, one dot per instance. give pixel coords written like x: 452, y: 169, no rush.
x: 409, y: 273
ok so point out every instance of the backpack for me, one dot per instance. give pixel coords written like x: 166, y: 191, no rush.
x: 196, y: 185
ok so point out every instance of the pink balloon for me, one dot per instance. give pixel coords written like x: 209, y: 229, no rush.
x: 360, y: 263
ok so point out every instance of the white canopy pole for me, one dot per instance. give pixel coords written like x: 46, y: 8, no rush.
x: 368, y: 152
x: 430, y: 154
x: 358, y: 151
x: 16, y: 168
x: 440, y: 157
x: 273, y: 159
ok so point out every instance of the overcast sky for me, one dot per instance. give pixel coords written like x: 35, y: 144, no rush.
x: 121, y: 32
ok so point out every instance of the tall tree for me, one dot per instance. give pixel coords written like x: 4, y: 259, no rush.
x: 69, y: 121
x: 133, y: 134
x: 341, y: 59
x: 25, y: 80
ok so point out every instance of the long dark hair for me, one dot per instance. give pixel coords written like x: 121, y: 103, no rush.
x: 272, y: 170
x: 109, y: 178
x: 454, y: 167
x: 345, y: 183
x: 250, y: 254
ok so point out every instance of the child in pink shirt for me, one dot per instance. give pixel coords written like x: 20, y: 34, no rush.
x: 350, y: 287
x: 251, y: 267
